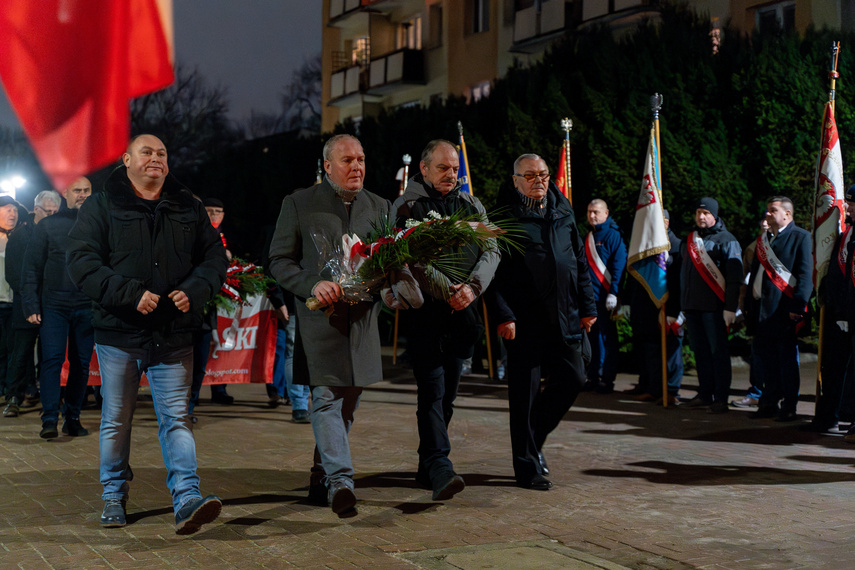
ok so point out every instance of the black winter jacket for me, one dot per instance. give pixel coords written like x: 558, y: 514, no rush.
x: 726, y: 253
x: 119, y: 249
x: 550, y: 277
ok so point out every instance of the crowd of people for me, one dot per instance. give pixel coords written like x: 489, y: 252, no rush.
x: 131, y: 269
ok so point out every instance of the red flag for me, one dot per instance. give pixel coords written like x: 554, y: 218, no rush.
x: 561, y: 179
x: 828, y: 213
x: 70, y: 69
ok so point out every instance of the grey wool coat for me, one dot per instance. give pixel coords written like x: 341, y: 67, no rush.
x: 342, y: 349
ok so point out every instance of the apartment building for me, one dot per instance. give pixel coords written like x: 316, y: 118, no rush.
x: 391, y: 53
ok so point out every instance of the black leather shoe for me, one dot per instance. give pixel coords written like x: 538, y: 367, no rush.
x: 604, y: 388
x: 49, y: 430
x: 543, y: 466
x: 12, y: 408
x: 224, y: 399
x: 196, y: 512
x: 445, y: 489
x: 765, y: 412
x: 342, y: 499
x: 72, y: 427
x: 536, y: 483
x: 787, y: 417
x: 113, y: 515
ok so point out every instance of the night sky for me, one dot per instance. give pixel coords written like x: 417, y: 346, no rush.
x: 249, y: 47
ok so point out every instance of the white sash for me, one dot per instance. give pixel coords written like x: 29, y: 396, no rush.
x: 774, y: 269
x: 597, y: 266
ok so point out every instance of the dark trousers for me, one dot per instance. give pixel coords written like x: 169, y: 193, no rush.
x: 536, y: 409
x: 708, y: 339
x: 836, y: 365
x: 778, y: 351
x: 22, y: 368
x: 61, y: 327
x: 604, y: 347
x: 439, y: 340
x: 5, y: 345
x: 650, y: 362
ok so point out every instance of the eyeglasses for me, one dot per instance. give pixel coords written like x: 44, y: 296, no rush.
x: 530, y: 176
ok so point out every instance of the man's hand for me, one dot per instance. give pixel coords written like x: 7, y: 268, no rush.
x: 181, y: 300
x: 611, y: 302
x: 507, y: 330
x: 35, y: 319
x: 148, y: 302
x: 796, y: 317
x: 282, y: 314
x: 327, y: 292
x: 462, y: 298
x: 843, y: 326
x: 729, y: 317
x: 670, y: 321
x: 588, y: 322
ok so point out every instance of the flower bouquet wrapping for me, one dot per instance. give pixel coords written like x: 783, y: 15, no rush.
x: 361, y: 268
x: 243, y: 280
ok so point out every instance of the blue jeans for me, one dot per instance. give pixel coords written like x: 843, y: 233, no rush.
x: 708, y: 339
x: 283, y: 368
x: 604, y: 347
x: 61, y: 326
x: 168, y: 372
x: 332, y: 415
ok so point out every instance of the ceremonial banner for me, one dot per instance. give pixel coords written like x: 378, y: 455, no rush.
x: 243, y: 347
x: 70, y: 69
x: 828, y: 218
x: 463, y: 173
x: 561, y: 178
x: 649, y: 245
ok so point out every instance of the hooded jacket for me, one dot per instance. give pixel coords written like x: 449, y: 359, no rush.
x: 120, y: 247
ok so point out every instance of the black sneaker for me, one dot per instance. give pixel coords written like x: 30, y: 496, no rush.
x: 72, y: 427
x: 196, y: 512
x: 342, y: 499
x: 114, y: 515
x: 300, y: 417
x: 446, y: 488
x: 49, y: 430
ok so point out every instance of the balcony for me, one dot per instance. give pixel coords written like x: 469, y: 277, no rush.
x: 338, y: 8
x: 406, y: 66
x: 538, y: 24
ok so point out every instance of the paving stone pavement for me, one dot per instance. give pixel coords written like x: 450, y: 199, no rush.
x: 636, y: 486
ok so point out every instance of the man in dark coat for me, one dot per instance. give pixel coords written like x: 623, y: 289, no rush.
x: 544, y: 299
x: 441, y: 334
x: 780, y: 287
x: 10, y: 211
x: 337, y: 355
x: 146, y: 253
x: 51, y: 300
x: 21, y: 388
x: 710, y: 279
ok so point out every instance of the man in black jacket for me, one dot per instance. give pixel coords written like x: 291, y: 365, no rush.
x: 21, y: 388
x: 544, y: 298
x: 51, y: 300
x: 779, y: 290
x: 441, y: 334
x: 146, y: 253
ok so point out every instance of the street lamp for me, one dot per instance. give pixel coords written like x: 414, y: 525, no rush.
x: 11, y: 185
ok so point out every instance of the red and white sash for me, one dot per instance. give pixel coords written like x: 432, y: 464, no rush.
x: 775, y: 270
x: 597, y: 266
x: 843, y: 252
x: 704, y: 264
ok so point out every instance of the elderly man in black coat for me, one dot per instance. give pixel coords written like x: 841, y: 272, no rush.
x: 544, y: 299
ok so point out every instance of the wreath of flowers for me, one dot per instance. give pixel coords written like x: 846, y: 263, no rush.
x: 243, y: 280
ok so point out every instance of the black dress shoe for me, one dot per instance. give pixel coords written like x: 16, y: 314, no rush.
x: 49, y: 430
x: 72, y: 427
x: 224, y: 399
x: 789, y: 416
x: 536, y: 483
x: 765, y: 412
x: 543, y: 466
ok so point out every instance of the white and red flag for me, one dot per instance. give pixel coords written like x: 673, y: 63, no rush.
x: 70, y: 69
x: 828, y: 218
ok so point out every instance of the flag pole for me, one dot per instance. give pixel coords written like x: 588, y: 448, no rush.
x: 567, y: 125
x: 483, y: 302
x: 407, y: 159
x: 655, y: 106
x: 832, y: 77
